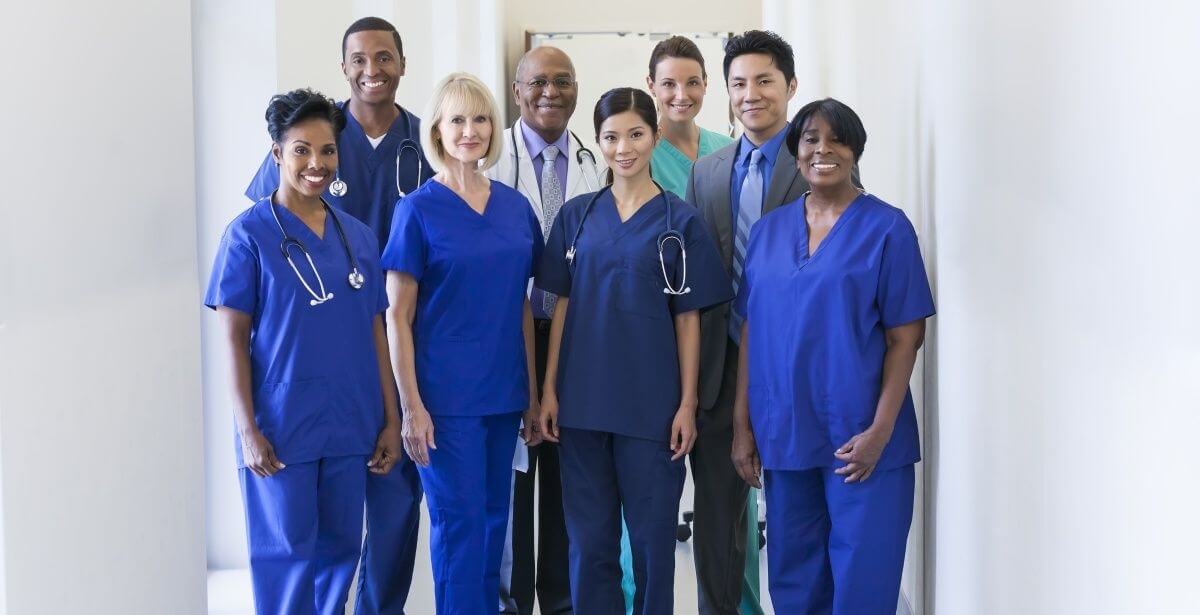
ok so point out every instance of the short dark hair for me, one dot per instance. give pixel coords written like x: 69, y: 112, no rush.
x: 761, y: 41
x: 676, y: 47
x: 291, y: 108
x: 373, y: 24
x: 842, y: 119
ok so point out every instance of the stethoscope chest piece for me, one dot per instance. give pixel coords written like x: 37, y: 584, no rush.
x: 356, y: 279
x: 338, y: 188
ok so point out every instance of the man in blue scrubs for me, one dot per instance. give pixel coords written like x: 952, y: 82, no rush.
x: 732, y: 188
x: 379, y: 157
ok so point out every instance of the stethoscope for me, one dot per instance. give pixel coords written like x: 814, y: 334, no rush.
x: 339, y: 188
x: 665, y: 237
x: 592, y: 184
x: 355, y: 278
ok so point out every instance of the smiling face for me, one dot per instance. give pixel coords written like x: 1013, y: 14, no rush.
x: 759, y: 95
x: 465, y: 136
x: 307, y: 157
x: 545, y: 91
x: 678, y: 86
x: 627, y: 142
x: 821, y: 156
x: 373, y: 66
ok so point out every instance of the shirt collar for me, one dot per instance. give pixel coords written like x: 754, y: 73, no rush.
x: 535, y: 144
x: 770, y: 149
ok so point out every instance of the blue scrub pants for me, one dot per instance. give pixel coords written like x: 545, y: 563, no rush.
x: 304, y: 532
x: 468, y: 484
x: 390, y: 548
x: 603, y: 473
x: 835, y: 547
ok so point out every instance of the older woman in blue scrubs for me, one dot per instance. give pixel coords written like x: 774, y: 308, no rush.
x: 632, y: 265
x: 300, y: 296
x: 835, y: 298
x: 460, y: 255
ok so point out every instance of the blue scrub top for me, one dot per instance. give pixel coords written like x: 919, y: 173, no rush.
x: 314, y: 370
x: 369, y: 172
x: 816, y: 328
x: 472, y: 271
x: 618, y: 366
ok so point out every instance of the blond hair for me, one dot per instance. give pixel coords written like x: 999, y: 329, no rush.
x: 460, y: 94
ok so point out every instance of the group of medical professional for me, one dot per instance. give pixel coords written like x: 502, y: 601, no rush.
x: 441, y: 308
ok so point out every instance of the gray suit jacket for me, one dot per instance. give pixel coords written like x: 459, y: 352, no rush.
x: 708, y: 189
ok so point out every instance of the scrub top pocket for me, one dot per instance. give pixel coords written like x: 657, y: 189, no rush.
x: 638, y: 289
x: 292, y: 416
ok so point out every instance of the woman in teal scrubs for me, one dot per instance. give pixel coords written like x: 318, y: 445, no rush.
x: 678, y: 82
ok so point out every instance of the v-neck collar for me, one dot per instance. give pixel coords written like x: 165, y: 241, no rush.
x: 608, y: 207
x: 803, y: 256
x: 487, y: 206
x: 288, y: 218
x: 397, y: 132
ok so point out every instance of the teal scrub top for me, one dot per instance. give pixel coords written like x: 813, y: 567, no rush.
x: 670, y: 167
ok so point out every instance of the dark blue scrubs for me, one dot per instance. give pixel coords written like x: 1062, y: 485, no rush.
x: 317, y: 399
x: 394, y: 499
x: 472, y: 271
x: 619, y: 389
x: 817, y: 342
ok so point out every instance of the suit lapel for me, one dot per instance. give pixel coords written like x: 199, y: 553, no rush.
x: 720, y: 210
x: 783, y: 178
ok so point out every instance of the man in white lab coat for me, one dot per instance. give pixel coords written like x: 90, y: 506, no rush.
x: 549, y: 164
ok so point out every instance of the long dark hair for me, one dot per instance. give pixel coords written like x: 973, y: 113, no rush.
x: 620, y: 100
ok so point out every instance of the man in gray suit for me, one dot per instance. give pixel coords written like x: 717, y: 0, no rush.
x: 733, y: 187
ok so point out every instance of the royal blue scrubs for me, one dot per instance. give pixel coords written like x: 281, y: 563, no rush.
x: 817, y: 342
x: 619, y: 389
x: 393, y: 499
x: 316, y: 393
x: 471, y: 271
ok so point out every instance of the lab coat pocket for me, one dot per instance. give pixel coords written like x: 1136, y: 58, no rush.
x: 291, y: 414
x: 638, y: 289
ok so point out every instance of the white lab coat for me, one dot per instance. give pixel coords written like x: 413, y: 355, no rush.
x: 582, y: 178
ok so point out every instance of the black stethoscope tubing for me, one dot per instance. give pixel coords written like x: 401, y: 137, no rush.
x: 579, y: 153
x: 666, y: 236
x: 355, y: 278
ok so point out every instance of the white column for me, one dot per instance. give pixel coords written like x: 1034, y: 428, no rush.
x: 101, y: 445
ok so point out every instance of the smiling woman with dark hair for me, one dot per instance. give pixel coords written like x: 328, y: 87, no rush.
x: 300, y: 296
x: 834, y: 296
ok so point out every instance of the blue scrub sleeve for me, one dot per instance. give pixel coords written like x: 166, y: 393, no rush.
x: 903, y: 293
x: 554, y: 275
x: 705, y: 273
x: 265, y: 181
x: 407, y: 248
x: 234, y: 279
x: 539, y: 244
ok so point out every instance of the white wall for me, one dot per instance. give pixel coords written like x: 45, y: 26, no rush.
x: 524, y: 16
x: 1043, y: 149
x: 100, y: 422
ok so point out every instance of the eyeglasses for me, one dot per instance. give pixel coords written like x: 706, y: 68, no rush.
x: 560, y: 83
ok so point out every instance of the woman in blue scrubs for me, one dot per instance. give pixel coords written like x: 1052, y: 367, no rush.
x: 460, y: 255
x: 300, y: 296
x: 620, y: 388
x: 835, y: 298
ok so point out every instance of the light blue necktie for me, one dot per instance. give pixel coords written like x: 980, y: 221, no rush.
x: 749, y: 211
x: 541, y: 301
